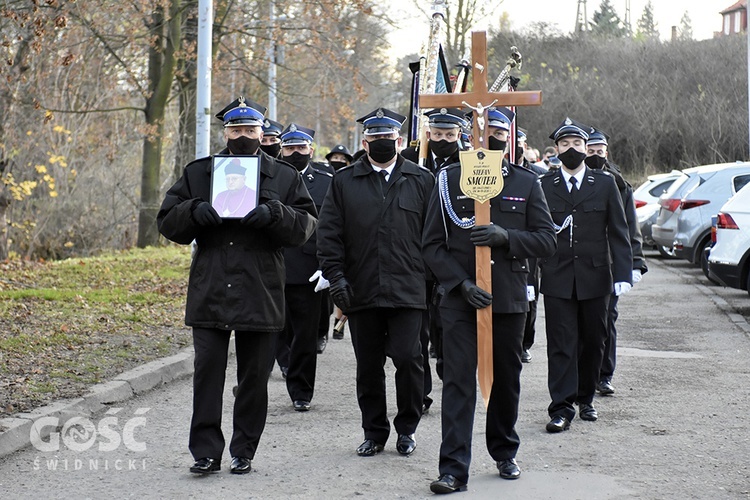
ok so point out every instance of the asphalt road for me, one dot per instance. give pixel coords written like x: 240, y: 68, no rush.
x: 676, y: 428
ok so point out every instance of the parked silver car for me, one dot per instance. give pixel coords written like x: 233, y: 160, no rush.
x: 684, y: 220
x: 646, y: 198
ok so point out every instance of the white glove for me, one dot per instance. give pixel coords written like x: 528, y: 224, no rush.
x: 622, y: 287
x: 530, y: 293
x: 322, y: 283
x: 637, y: 276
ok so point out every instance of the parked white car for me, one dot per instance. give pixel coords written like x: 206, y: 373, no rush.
x: 729, y: 259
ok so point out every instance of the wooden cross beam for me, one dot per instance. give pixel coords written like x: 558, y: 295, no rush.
x: 479, y: 99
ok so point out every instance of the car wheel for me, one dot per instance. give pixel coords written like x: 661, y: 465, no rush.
x: 666, y: 252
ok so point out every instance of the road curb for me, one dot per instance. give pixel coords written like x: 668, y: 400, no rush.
x: 16, y: 430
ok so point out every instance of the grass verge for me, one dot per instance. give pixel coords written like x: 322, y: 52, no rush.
x: 65, y: 325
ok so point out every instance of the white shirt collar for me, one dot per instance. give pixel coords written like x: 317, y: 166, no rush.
x: 579, y: 177
x: 388, y: 169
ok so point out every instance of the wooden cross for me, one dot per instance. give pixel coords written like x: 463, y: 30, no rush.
x: 479, y: 99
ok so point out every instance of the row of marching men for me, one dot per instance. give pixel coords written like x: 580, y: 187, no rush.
x: 392, y: 236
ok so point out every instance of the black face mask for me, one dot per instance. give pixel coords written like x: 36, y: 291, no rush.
x: 271, y: 150
x: 298, y: 160
x: 595, y: 161
x: 571, y: 158
x: 443, y: 148
x: 337, y: 164
x: 496, y: 144
x: 243, y: 145
x: 382, y: 150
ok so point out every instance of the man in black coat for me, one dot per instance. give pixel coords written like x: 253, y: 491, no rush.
x: 597, y: 151
x: 593, y: 258
x: 303, y: 303
x: 521, y: 229
x: 369, y: 248
x: 236, y: 283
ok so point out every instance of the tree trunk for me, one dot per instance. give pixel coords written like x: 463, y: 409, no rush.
x: 161, y: 69
x: 186, y: 84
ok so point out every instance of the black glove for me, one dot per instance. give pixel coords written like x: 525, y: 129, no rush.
x: 259, y: 217
x: 341, y: 293
x: 489, y: 236
x: 205, y: 215
x: 475, y: 296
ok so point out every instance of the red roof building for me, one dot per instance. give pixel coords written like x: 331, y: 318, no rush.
x: 734, y: 19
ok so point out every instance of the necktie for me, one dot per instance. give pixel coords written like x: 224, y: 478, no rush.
x: 383, y: 181
x: 574, y: 185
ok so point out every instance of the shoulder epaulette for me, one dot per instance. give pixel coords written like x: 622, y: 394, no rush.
x: 322, y: 172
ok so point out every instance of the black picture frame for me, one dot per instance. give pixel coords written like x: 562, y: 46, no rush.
x: 231, y: 197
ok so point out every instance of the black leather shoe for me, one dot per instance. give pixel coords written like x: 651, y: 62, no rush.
x: 301, y: 405
x: 525, y: 356
x: 587, y: 412
x: 322, y: 343
x: 206, y: 465
x: 240, y: 465
x: 406, y: 444
x: 447, y: 484
x: 604, y: 387
x: 369, y: 448
x: 558, y: 424
x: 508, y: 469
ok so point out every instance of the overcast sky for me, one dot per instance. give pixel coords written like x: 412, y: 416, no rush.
x: 704, y: 15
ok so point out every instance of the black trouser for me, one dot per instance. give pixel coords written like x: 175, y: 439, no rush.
x: 436, y: 327
x: 377, y: 333
x: 326, y: 309
x: 254, y: 353
x: 576, y: 332
x: 302, y: 315
x: 529, y: 331
x: 424, y: 340
x: 460, y: 388
x: 609, y: 361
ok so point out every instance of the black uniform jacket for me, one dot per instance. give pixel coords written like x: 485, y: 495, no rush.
x: 600, y: 245
x: 302, y: 262
x: 376, y: 242
x: 520, y: 208
x: 628, y: 204
x: 237, y: 275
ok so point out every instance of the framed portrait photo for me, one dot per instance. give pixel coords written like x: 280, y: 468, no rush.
x: 234, y: 185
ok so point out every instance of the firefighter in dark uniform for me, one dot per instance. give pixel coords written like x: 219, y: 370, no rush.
x: 369, y: 248
x: 445, y: 126
x: 597, y: 150
x: 236, y: 284
x: 271, y: 144
x: 302, y: 301
x: 337, y: 158
x: 521, y: 229
x: 443, y: 135
x: 593, y: 258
